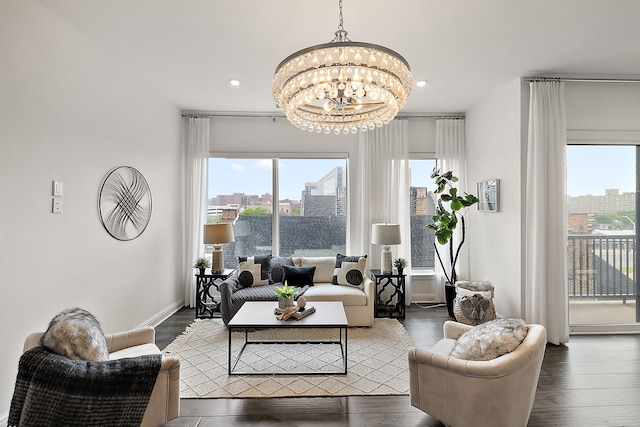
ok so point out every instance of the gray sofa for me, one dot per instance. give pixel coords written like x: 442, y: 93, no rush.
x: 358, y: 301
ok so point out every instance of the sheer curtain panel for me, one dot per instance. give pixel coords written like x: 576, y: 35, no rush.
x: 450, y: 156
x: 196, y: 154
x: 546, y: 288
x: 383, y: 191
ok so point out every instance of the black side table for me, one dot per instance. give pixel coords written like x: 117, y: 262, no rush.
x: 393, y: 306
x: 206, y: 304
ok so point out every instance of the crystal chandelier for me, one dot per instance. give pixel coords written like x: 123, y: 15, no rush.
x: 342, y: 86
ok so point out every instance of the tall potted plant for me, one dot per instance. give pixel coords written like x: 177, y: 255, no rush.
x: 449, y: 213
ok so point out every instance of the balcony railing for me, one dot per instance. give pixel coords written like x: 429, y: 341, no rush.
x: 601, y: 267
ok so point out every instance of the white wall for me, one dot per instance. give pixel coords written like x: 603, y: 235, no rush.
x: 67, y: 113
x: 596, y: 109
x: 493, y: 149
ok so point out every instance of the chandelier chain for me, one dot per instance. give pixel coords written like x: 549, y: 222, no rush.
x: 341, y: 34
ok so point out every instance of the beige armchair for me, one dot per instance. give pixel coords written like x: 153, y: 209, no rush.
x: 461, y: 393
x: 164, y: 404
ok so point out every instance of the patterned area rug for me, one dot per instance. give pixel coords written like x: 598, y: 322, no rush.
x: 377, y: 362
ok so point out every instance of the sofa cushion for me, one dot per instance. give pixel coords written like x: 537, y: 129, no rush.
x: 349, y: 270
x: 490, y: 340
x: 348, y: 295
x: 254, y: 271
x: 277, y: 272
x: 324, y: 267
x: 136, y: 350
x: 298, y: 276
x: 261, y: 293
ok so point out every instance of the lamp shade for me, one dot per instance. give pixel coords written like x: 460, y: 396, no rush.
x: 385, y: 234
x: 218, y: 233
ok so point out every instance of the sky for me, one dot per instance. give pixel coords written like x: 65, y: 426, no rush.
x: 590, y: 170
x: 253, y: 176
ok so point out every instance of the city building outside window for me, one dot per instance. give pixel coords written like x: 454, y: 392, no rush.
x: 309, y: 197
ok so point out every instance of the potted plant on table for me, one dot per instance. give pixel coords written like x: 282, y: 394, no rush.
x: 202, y: 264
x: 400, y: 264
x: 285, y: 295
x: 449, y: 213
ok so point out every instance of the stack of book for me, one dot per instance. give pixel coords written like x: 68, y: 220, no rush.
x: 297, y: 314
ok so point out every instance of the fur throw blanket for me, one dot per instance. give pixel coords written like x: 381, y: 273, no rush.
x: 52, y: 390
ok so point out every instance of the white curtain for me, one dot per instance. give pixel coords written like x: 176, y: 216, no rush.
x: 450, y: 156
x: 196, y: 155
x: 546, y: 283
x: 383, y: 191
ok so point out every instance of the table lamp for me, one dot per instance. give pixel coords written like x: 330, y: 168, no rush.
x: 218, y: 234
x: 385, y: 235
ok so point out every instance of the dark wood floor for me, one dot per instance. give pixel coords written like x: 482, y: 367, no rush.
x: 593, y: 381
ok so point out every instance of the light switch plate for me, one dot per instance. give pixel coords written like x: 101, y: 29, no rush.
x: 57, y: 188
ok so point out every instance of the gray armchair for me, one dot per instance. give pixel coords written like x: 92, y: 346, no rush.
x: 462, y: 393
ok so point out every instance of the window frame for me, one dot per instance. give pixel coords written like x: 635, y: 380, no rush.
x: 275, y: 158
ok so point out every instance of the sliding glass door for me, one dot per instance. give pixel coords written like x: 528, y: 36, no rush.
x: 602, y: 193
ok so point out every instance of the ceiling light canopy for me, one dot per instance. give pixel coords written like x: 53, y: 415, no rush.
x: 342, y: 86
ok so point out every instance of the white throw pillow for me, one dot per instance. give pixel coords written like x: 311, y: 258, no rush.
x: 251, y: 274
x: 349, y: 270
x: 491, y: 339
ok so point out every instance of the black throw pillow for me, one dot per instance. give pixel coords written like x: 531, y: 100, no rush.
x: 299, y: 276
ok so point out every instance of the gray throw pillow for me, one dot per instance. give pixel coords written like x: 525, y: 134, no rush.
x: 76, y: 334
x: 491, y: 339
x: 277, y: 271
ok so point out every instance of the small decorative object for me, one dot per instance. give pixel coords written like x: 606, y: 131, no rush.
x: 302, y: 302
x: 445, y: 221
x: 285, y: 295
x: 400, y: 264
x: 489, y: 195
x: 124, y: 203
x: 202, y: 264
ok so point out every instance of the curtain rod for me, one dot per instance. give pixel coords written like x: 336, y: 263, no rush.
x: 273, y: 115
x: 578, y: 79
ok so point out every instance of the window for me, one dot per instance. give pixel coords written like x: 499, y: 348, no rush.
x: 422, y: 209
x: 308, y: 196
x: 602, y: 233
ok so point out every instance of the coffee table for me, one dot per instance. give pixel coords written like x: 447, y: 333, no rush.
x: 260, y: 314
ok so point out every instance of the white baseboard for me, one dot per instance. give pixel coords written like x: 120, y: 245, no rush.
x: 423, y: 298
x: 163, y: 315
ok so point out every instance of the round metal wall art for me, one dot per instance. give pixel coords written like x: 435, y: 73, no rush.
x: 124, y: 203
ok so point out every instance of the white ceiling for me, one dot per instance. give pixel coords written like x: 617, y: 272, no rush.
x: 187, y: 50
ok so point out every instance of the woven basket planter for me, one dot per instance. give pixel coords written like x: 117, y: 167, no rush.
x: 474, y: 302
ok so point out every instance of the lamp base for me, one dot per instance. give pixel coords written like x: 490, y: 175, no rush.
x: 217, y: 260
x: 385, y: 260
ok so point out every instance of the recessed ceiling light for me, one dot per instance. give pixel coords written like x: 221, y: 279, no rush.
x: 421, y: 83
x: 234, y: 82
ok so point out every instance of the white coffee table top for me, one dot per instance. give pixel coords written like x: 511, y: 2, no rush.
x: 256, y: 314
